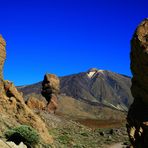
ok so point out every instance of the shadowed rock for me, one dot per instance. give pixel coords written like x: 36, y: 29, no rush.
x: 137, y: 118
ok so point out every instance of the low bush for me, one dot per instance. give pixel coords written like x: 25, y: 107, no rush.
x: 23, y: 133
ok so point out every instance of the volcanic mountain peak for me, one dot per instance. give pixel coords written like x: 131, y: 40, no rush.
x: 100, y: 86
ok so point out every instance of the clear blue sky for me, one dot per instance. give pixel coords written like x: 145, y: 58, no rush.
x: 67, y: 36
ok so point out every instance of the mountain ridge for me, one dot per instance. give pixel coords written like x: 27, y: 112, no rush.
x: 93, y: 86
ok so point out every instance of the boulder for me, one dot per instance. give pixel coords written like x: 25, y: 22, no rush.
x: 137, y: 119
x: 13, y: 145
x: 35, y: 103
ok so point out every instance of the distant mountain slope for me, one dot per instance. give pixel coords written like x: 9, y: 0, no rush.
x: 94, y: 87
x: 70, y: 107
x: 99, y: 86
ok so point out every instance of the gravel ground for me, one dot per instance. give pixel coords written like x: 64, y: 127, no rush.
x: 117, y: 145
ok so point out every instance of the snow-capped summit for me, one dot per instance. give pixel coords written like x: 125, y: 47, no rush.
x: 93, y: 71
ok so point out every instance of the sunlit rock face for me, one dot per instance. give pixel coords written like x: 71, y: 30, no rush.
x: 2, y: 55
x: 137, y: 119
x: 2, y: 60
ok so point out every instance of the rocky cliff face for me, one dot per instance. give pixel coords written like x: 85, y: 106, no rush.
x: 2, y: 55
x: 138, y: 113
x: 13, y: 110
x: 2, y: 59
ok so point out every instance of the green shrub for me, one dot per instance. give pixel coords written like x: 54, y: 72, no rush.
x: 64, y: 139
x: 23, y: 133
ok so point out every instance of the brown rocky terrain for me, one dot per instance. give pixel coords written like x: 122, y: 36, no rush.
x: 34, y: 103
x: 13, y: 110
x: 71, y: 134
x: 77, y: 124
x: 78, y: 110
x: 138, y: 113
x: 92, y: 114
x: 86, y: 111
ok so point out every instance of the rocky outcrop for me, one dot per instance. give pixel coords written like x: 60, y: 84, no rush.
x: 35, y: 103
x: 2, y: 55
x: 12, y: 105
x: 137, y: 119
x: 2, y: 59
x: 50, y: 90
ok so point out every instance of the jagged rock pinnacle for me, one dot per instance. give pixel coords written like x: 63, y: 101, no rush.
x: 2, y: 55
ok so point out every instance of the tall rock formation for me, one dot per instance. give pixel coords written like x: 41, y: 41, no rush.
x: 50, y: 90
x: 13, y: 110
x: 2, y: 59
x: 137, y: 119
x: 2, y: 55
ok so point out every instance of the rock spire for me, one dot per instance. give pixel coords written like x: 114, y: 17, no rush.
x: 50, y: 90
x: 137, y: 119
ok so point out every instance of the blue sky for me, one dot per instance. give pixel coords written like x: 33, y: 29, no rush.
x: 67, y: 36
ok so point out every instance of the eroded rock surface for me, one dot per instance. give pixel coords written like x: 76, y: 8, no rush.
x: 2, y: 60
x: 137, y: 118
x: 2, y: 55
x: 50, y: 90
x: 35, y: 103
